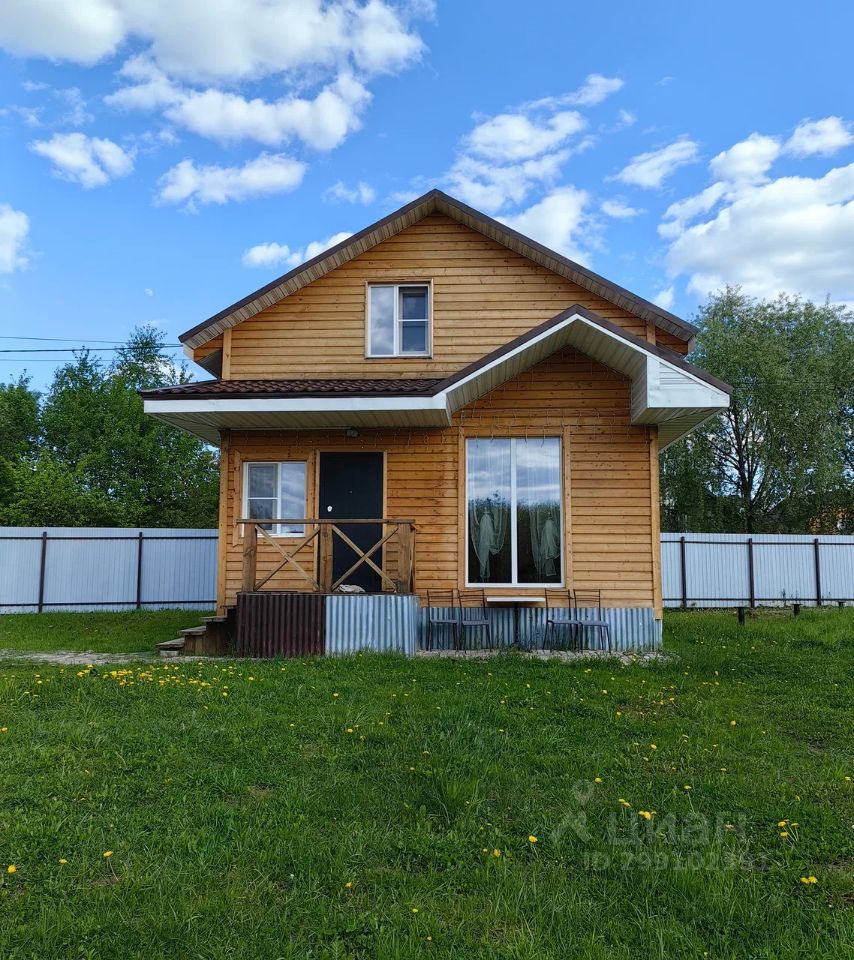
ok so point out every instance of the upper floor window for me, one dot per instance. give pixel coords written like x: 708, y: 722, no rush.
x: 399, y: 320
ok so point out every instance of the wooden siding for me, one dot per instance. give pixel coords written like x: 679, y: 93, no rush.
x: 612, y: 531
x: 483, y: 296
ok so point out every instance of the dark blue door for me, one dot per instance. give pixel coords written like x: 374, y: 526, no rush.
x: 351, y: 488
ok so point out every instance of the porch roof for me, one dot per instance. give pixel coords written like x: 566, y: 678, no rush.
x: 666, y: 389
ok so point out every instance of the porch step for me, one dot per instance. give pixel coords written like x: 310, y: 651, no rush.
x: 171, y: 648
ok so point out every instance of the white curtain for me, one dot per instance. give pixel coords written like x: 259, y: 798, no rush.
x: 489, y: 500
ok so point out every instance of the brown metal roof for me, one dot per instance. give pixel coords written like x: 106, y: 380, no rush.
x: 433, y: 202
x: 281, y: 389
x: 338, y: 387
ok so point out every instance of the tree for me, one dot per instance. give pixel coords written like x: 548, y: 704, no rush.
x: 99, y: 460
x: 780, y: 459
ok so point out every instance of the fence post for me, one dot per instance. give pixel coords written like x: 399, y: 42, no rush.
x: 250, y: 551
x: 752, y: 582
x: 139, y: 571
x: 683, y: 573
x: 817, y: 561
x: 42, y: 566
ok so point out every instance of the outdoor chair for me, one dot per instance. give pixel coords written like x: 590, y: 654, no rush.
x: 563, y: 611
x: 442, y: 613
x: 474, y: 616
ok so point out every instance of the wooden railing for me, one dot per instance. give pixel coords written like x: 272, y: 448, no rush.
x: 398, y: 532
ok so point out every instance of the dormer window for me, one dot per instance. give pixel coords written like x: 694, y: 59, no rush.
x: 399, y: 320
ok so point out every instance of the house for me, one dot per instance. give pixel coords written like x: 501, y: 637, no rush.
x: 495, y: 409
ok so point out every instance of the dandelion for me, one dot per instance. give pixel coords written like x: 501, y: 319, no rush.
x: 532, y: 839
x: 496, y: 852
x: 415, y: 909
x: 732, y: 723
x: 348, y: 885
x: 782, y: 823
x: 784, y: 833
x: 809, y: 880
x: 646, y: 814
x: 108, y: 854
x: 623, y: 803
x: 349, y: 729
x: 597, y: 779
x: 335, y: 696
x: 652, y: 746
x: 11, y: 868
x: 62, y: 861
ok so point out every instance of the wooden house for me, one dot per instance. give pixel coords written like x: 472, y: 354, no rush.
x: 488, y: 412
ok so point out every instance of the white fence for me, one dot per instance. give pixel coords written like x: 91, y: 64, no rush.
x: 733, y: 569
x: 81, y: 568
x: 70, y: 568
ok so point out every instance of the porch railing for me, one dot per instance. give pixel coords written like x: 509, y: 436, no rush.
x: 319, y: 576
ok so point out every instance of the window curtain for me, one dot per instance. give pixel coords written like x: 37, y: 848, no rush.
x: 489, y: 503
x: 538, y: 494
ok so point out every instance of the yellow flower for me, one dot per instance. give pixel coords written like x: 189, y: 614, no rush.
x: 732, y: 723
x: 349, y: 729
x: 108, y: 854
x: 652, y: 746
x: 687, y: 786
x: 335, y: 695
x: 645, y: 814
x: 348, y: 885
x: 62, y: 861
x: 784, y: 833
x: 11, y: 868
x: 782, y: 823
x: 597, y: 779
x: 496, y: 852
x: 809, y: 879
x: 623, y: 803
x: 532, y: 839
x: 415, y: 909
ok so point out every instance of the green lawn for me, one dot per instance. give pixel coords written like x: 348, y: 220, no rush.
x: 379, y: 807
x: 133, y: 632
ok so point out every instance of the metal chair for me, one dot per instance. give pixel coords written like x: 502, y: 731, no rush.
x: 586, y: 599
x: 558, y: 613
x: 447, y: 615
x: 474, y: 615
x: 563, y: 609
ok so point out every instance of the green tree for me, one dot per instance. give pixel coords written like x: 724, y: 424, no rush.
x: 780, y: 459
x: 100, y: 460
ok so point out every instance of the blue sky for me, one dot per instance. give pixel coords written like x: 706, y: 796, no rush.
x: 161, y: 160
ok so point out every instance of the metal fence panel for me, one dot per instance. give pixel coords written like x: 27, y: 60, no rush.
x: 106, y: 568
x: 786, y: 568
x: 381, y: 622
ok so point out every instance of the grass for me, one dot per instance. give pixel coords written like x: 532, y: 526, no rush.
x: 132, y: 632
x: 379, y: 807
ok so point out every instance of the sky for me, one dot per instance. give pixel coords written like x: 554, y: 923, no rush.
x: 160, y: 160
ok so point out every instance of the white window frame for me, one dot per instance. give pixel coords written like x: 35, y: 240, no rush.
x: 292, y: 531
x: 396, y: 285
x: 514, y: 555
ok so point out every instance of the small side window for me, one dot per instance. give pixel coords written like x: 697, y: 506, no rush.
x: 276, y: 491
x: 399, y: 320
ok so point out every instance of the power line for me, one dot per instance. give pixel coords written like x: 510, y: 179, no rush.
x: 78, y: 349
x: 62, y: 339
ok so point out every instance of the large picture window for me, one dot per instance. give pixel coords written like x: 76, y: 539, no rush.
x: 513, y: 491
x: 399, y: 320
x: 274, y: 490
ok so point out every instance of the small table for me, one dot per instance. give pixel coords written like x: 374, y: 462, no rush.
x: 515, y: 602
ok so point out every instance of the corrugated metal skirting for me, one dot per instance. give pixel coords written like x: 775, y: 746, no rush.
x: 382, y: 622
x: 632, y: 628
x: 280, y: 624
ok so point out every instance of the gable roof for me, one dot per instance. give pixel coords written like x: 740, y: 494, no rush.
x: 433, y: 202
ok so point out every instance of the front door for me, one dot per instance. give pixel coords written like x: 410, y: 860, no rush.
x: 351, y: 488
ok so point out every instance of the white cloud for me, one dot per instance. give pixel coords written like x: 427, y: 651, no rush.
x: 555, y: 220
x: 14, y: 229
x: 511, y: 137
x: 683, y: 211
x: 793, y: 234
x: 650, y: 170
x: 593, y: 91
x: 490, y: 187
x: 281, y: 255
x: 76, y: 115
x: 148, y: 292
x: 820, y: 137
x: 665, y: 298
x: 748, y: 160
x: 193, y: 185
x: 321, y: 123
x: 89, y: 161
x: 361, y: 193
x: 618, y: 209
x: 203, y: 41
